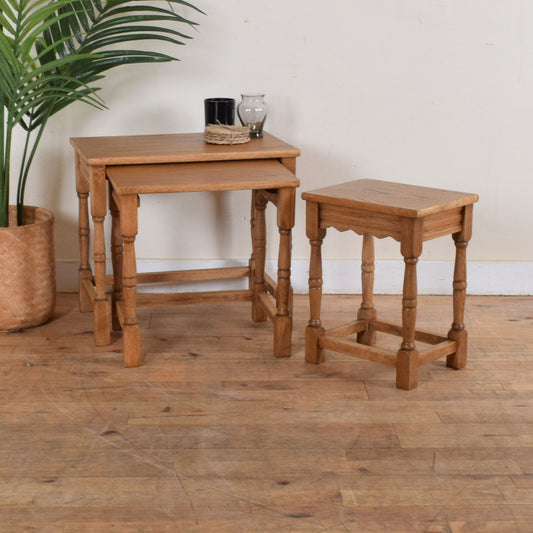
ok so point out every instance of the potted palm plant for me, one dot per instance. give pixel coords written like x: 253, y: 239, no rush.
x: 52, y: 52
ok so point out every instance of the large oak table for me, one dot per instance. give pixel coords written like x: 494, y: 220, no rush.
x: 179, y: 163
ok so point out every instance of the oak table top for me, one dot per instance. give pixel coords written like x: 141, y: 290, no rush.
x: 175, y: 148
x: 399, y: 199
x: 197, y: 177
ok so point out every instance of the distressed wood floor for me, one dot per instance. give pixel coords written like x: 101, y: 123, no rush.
x: 214, y: 434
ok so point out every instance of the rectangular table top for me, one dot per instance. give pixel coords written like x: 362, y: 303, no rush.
x: 175, y: 148
x: 400, y: 199
x: 196, y: 177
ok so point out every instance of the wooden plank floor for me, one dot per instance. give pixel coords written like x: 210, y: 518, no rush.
x: 214, y: 434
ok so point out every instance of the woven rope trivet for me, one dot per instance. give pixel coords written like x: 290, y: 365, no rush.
x: 222, y: 134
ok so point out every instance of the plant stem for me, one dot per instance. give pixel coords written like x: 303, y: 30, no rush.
x: 20, y: 188
x: 4, y: 176
x: 4, y: 171
x: 7, y: 129
x: 25, y: 168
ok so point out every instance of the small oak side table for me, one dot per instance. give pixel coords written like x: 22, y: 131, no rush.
x: 411, y: 215
x: 97, y: 156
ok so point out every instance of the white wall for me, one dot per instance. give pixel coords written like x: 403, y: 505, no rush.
x: 430, y: 92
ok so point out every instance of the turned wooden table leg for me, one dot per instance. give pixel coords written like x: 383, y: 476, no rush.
x: 367, y: 311
x: 84, y: 233
x: 102, y: 328
x: 117, y: 251
x: 313, y: 352
x: 458, y: 332
x: 407, y: 356
x: 283, y: 319
x: 130, y: 327
x: 257, y: 261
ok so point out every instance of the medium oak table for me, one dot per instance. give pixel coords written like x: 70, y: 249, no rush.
x: 265, y: 165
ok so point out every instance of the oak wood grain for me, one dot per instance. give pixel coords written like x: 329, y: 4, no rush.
x: 198, y: 177
x: 392, y: 198
x: 175, y: 148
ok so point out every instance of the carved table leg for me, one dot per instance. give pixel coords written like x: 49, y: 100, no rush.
x: 407, y: 357
x: 130, y: 327
x: 117, y: 251
x: 367, y: 311
x: 257, y: 261
x: 98, y: 212
x: 313, y: 352
x: 283, y: 320
x: 458, y: 332
x: 84, y: 271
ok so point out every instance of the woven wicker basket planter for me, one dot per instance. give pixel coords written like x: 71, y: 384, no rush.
x: 27, y: 270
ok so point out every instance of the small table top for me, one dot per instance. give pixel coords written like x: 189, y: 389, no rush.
x: 175, y: 148
x: 400, y: 199
x: 196, y: 177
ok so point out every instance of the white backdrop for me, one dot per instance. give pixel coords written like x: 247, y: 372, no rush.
x: 430, y: 92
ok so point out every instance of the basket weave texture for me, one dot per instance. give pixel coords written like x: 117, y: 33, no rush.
x: 27, y: 270
x: 221, y: 134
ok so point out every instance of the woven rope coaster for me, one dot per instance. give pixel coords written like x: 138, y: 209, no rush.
x: 221, y: 134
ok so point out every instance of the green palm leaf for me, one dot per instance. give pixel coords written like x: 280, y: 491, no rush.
x: 53, y: 51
